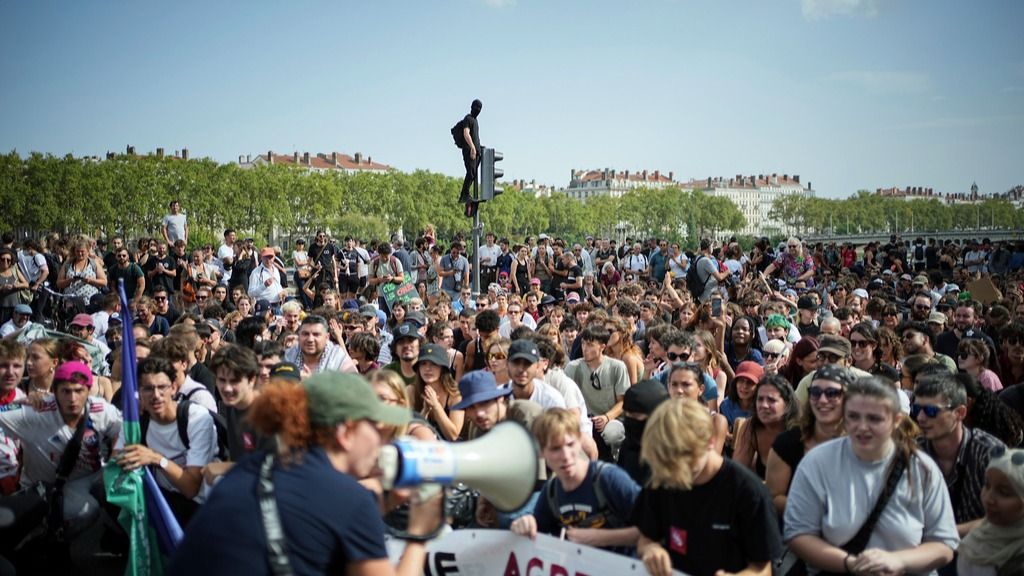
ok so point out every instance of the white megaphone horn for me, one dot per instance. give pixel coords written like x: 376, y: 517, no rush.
x: 502, y: 465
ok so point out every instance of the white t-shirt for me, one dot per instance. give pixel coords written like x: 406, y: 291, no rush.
x: 9, y: 328
x: 175, y: 224
x: 573, y: 396
x: 489, y: 256
x: 164, y: 440
x: 31, y: 265
x: 545, y: 395
x: 362, y: 268
x: 505, y: 328
x: 44, y: 436
x: 201, y: 394
x: 100, y: 324
x: 223, y: 253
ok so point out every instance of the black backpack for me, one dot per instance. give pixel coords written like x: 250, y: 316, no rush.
x: 460, y: 142
x: 181, y: 419
x: 693, y: 281
x: 919, y: 253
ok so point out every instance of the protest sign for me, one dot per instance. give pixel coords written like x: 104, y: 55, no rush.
x: 399, y: 292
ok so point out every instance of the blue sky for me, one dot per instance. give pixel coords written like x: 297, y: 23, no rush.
x: 847, y: 93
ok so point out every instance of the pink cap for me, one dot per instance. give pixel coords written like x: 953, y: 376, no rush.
x: 73, y: 371
x: 83, y: 320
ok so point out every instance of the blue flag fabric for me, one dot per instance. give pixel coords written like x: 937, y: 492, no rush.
x: 153, y: 530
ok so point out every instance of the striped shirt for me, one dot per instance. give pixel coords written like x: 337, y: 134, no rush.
x: 965, y: 480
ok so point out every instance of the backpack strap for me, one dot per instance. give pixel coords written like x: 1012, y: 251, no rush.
x: 55, y: 520
x: 181, y: 419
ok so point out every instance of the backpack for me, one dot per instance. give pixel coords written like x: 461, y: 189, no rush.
x: 919, y: 253
x: 376, y: 263
x: 603, y: 509
x: 693, y: 281
x: 460, y: 141
x: 181, y: 418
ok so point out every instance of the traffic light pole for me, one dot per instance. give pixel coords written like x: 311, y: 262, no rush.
x: 477, y: 227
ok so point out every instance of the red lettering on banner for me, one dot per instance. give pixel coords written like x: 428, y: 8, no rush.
x: 512, y: 566
x: 557, y: 570
x: 534, y: 563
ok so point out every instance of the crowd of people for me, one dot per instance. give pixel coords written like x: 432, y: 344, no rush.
x: 796, y: 409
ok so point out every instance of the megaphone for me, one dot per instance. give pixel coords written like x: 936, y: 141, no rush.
x: 502, y: 465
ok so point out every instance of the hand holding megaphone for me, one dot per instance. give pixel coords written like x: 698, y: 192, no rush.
x: 502, y: 465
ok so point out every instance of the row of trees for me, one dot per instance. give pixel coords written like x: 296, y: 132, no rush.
x: 867, y: 212
x: 129, y: 195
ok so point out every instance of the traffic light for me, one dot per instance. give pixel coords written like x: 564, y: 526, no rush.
x: 488, y: 189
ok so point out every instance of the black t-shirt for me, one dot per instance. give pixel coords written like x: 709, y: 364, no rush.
x: 328, y: 519
x: 240, y: 272
x: 131, y: 274
x: 242, y: 438
x: 790, y: 448
x: 808, y: 330
x: 157, y: 279
x: 724, y: 524
x: 474, y: 129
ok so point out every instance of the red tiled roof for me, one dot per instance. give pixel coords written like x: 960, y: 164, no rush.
x: 323, y: 161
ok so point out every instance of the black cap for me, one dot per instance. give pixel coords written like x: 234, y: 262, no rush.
x: 806, y: 303
x: 525, y: 350
x: 407, y: 330
x: 286, y: 370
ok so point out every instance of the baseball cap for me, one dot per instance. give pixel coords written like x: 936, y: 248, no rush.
x: 368, y: 311
x: 23, y: 309
x: 433, y: 353
x: 806, y: 303
x: 645, y: 396
x: 523, y: 349
x: 750, y: 370
x: 921, y: 279
x: 835, y: 373
x: 83, y: 320
x: 534, y: 281
x: 834, y: 344
x: 887, y: 272
x: 350, y: 304
x: 937, y: 317
x: 262, y: 305
x: 572, y: 297
x: 407, y: 330
x: 479, y: 386
x: 904, y: 276
x: 335, y: 397
x: 73, y: 371
x: 952, y: 288
x: 287, y: 371
x: 542, y: 237
x: 861, y: 293
x: 417, y: 317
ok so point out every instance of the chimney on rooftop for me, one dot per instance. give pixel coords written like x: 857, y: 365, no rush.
x: 657, y: 175
x: 270, y: 156
x: 334, y: 158
x: 796, y: 178
x: 785, y: 177
x: 358, y: 158
x: 369, y: 159
x: 670, y: 174
x: 248, y: 159
x: 184, y: 153
x: 305, y: 159
x: 241, y: 159
x: 295, y: 157
x: 159, y: 152
x: 110, y: 155
x: 627, y: 175
x: 130, y: 150
x: 645, y: 175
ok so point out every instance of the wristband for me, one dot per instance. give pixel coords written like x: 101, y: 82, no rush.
x: 845, y: 565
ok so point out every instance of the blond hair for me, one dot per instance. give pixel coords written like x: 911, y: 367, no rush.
x: 554, y: 424
x: 393, y: 382
x: 677, y: 435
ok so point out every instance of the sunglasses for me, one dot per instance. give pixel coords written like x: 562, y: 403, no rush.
x: 772, y: 355
x: 860, y: 343
x: 498, y: 356
x: 929, y: 411
x: 922, y: 307
x: 595, y: 381
x: 1014, y: 341
x: 683, y: 357
x: 828, y: 357
x: 816, y: 392
x: 160, y: 298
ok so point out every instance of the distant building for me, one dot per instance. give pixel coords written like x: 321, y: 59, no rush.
x: 1014, y: 195
x: 586, y: 184
x: 533, y: 188
x: 317, y: 162
x: 754, y: 196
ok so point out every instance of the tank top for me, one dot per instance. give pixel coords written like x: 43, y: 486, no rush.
x: 523, y: 275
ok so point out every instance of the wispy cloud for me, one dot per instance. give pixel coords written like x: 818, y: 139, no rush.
x: 957, y: 122
x: 824, y: 9
x: 883, y: 81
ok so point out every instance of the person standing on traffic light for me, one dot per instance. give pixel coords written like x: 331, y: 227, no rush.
x: 471, y: 151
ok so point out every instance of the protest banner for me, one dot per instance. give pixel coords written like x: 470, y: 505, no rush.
x: 399, y: 292
x: 502, y: 553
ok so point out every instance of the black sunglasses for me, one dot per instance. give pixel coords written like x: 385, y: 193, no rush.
x: 595, y: 381
x: 817, y: 392
x: 929, y: 411
x: 672, y: 356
